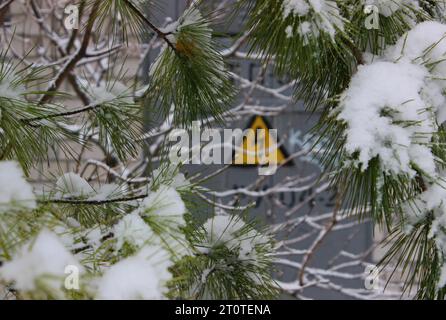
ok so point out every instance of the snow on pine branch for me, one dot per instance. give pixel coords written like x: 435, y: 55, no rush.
x: 393, y: 105
x: 195, y: 68
x: 393, y: 110
x: 233, y: 253
x: 139, y: 246
x: 388, y: 7
x: 15, y: 191
x: 430, y: 207
x: 9, y: 86
x: 142, y: 276
x: 229, y: 231
x: 133, y: 230
x: 43, y: 258
x: 146, y: 239
x: 387, y: 112
x: 72, y: 186
x: 318, y: 15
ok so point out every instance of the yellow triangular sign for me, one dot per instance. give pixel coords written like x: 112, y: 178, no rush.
x: 259, y: 146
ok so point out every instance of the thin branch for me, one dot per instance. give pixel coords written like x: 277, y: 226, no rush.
x: 71, y: 63
x: 54, y: 38
x: 64, y: 114
x: 5, y: 6
x: 75, y: 31
x: 320, y: 239
x: 93, y: 202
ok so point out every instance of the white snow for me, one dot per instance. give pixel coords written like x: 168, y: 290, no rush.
x: 414, y: 44
x: 170, y: 30
x: 322, y: 15
x: 389, y: 7
x: 425, y: 44
x: 108, y: 92
x: 304, y: 28
x: 15, y: 191
x: 387, y: 117
x: 72, y: 185
x: 168, y: 209
x: 307, y: 29
x: 171, y: 176
x: 142, y: 276
x: 108, y: 191
x: 43, y: 259
x: 393, y: 104
x: 289, y: 31
x: 233, y: 233
x: 190, y: 17
x: 175, y: 241
x: 298, y: 7
x: 132, y: 229
x: 94, y: 236
x: 65, y: 235
x: 421, y: 53
x: 429, y: 200
x: 165, y: 203
x: 9, y: 88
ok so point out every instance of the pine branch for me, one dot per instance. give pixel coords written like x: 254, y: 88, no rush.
x: 193, y: 78
x: 160, y: 34
x: 93, y: 202
x: 356, y: 52
x: 90, y: 107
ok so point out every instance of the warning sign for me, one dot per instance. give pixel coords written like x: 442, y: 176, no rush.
x: 260, y: 145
